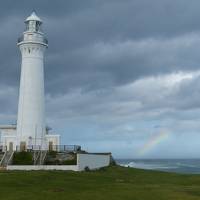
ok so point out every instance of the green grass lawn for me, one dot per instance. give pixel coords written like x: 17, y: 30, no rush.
x: 112, y: 183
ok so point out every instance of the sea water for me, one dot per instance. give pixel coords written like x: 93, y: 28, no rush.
x: 187, y: 166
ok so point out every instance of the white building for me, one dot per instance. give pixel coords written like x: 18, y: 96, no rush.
x: 30, y: 131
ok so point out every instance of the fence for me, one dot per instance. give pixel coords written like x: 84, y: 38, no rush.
x: 21, y: 39
x: 58, y: 148
x: 3, y: 148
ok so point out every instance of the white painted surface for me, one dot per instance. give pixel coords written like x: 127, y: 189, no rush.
x: 93, y: 161
x: 31, y: 109
x: 43, y: 167
x: 55, y: 139
x: 8, y: 133
x: 33, y: 17
x: 7, y: 136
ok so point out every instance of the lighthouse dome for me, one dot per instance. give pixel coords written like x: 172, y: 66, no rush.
x: 33, y: 17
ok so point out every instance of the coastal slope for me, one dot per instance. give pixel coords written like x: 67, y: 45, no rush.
x: 117, y: 183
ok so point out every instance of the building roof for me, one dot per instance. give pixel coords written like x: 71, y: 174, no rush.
x: 11, y: 126
x: 33, y: 17
x: 14, y: 126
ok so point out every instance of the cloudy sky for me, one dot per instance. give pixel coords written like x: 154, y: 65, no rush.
x: 120, y: 75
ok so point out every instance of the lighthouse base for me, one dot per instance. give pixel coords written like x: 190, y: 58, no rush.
x: 9, y: 140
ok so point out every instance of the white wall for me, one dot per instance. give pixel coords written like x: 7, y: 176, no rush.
x: 42, y: 167
x: 93, y: 161
x: 53, y: 138
x: 31, y: 108
x: 8, y: 136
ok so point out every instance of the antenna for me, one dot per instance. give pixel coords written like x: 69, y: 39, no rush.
x: 34, y: 11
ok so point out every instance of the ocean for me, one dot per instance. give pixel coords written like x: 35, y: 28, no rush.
x: 185, y: 166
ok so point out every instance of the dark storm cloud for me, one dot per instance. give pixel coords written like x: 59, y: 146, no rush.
x: 79, y: 31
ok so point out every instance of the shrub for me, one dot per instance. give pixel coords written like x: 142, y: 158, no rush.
x: 69, y: 162
x: 112, y: 162
x: 60, y: 162
x: 22, y: 158
x: 52, y: 153
x: 87, y: 169
x: 54, y: 158
x: 52, y: 162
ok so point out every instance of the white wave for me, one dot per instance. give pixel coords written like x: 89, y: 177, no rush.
x: 148, y: 166
x: 179, y: 166
x: 186, y: 165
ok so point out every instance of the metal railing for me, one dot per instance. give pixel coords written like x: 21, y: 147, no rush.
x: 45, y: 40
x: 3, y: 148
x: 42, y: 40
x: 20, y: 39
x: 58, y: 148
x: 29, y: 148
x: 64, y: 148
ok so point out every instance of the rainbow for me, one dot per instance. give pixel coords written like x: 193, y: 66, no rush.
x: 155, y: 140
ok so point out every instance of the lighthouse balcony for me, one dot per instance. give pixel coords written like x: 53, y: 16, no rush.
x: 32, y: 39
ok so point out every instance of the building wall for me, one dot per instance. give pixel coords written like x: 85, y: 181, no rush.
x: 8, y: 138
x: 10, y: 143
x: 55, y: 139
x: 93, y: 161
x: 8, y: 131
x: 43, y: 167
x: 9, y: 135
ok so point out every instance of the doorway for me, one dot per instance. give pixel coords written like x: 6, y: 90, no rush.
x: 50, y: 146
x: 10, y: 146
x: 22, y: 146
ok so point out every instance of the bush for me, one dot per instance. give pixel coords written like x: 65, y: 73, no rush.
x: 112, y: 162
x: 60, y: 162
x: 52, y: 162
x: 69, y: 162
x: 52, y: 153
x: 87, y: 169
x: 22, y: 158
x: 54, y: 158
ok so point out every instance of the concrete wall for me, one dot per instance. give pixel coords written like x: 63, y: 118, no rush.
x: 42, y: 167
x: 93, y: 161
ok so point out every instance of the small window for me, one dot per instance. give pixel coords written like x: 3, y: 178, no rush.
x: 37, y: 26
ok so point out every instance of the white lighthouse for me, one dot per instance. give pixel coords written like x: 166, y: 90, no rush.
x: 31, y: 126
x: 30, y: 132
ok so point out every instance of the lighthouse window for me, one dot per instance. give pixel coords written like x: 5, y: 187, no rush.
x: 32, y: 26
x: 37, y: 26
x: 27, y: 25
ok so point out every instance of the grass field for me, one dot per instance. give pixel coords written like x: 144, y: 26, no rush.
x: 111, y: 183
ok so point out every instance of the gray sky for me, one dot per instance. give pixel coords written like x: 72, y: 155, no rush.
x: 120, y: 75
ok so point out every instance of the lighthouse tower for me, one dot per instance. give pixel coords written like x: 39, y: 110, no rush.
x: 31, y: 128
